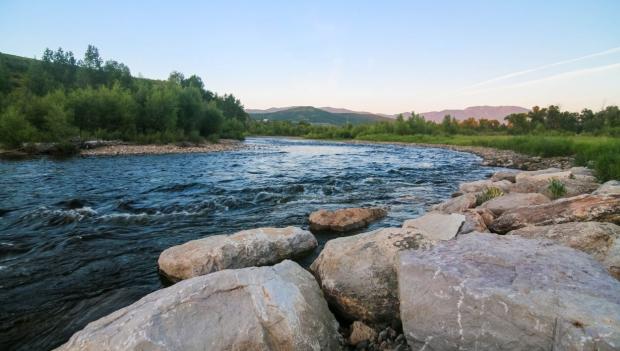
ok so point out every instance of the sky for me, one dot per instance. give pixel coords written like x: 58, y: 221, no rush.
x: 377, y: 56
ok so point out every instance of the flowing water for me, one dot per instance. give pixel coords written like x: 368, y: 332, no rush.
x: 80, y: 238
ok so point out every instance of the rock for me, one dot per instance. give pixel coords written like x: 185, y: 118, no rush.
x: 499, y: 176
x: 521, y: 175
x: 574, y: 186
x: 474, y: 222
x: 611, y: 187
x: 491, y: 292
x: 601, y: 240
x: 457, y: 204
x: 436, y: 225
x: 357, y: 273
x: 260, y: 308
x: 345, y: 219
x: 581, y: 208
x: 581, y: 171
x: 481, y: 185
x: 501, y: 204
x: 487, y: 216
x: 361, y: 332
x: 254, y: 247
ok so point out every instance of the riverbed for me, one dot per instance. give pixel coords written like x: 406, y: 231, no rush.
x: 79, y: 238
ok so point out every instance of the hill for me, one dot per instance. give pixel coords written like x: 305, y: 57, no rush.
x: 316, y: 116
x: 478, y: 112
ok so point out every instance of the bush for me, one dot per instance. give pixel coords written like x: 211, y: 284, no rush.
x: 556, y: 188
x: 488, y: 194
x: 15, y: 129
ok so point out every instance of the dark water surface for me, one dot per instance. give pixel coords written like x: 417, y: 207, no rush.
x: 80, y: 238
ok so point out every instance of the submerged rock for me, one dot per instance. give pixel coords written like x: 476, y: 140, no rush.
x: 357, y: 273
x: 254, y: 247
x: 573, y: 209
x: 501, y: 204
x: 345, y: 219
x: 491, y: 292
x: 436, y: 225
x: 266, y: 308
x: 601, y: 240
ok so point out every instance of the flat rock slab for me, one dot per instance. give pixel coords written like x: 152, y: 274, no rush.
x: 345, y: 219
x: 582, y: 208
x: 501, y: 204
x: 259, y: 308
x: 254, y: 247
x: 437, y: 225
x: 601, y: 240
x: 492, y: 292
x: 358, y: 276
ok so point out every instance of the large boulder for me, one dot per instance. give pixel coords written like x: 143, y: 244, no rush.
x: 345, y: 219
x: 260, y: 308
x: 437, y: 225
x: 501, y: 204
x: 357, y: 273
x: 601, y: 240
x: 491, y: 292
x: 573, y: 186
x: 573, y: 209
x: 254, y: 247
x: 541, y: 172
x: 456, y: 204
x: 504, y: 175
x: 611, y: 187
x: 481, y: 185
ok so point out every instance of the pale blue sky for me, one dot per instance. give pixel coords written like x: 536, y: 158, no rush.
x: 379, y: 56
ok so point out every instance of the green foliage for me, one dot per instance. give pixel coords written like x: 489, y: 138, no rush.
x: 556, y: 188
x: 488, y: 194
x: 15, y: 129
x: 59, y: 99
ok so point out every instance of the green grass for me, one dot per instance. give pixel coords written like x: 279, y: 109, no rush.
x: 556, y: 188
x: 600, y: 153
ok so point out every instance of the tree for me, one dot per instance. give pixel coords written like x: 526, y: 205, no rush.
x: 92, y: 60
x: 14, y: 128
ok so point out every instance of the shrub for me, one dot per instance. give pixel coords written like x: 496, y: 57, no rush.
x: 556, y: 188
x: 488, y: 194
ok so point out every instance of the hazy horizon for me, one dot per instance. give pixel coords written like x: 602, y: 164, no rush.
x: 381, y: 58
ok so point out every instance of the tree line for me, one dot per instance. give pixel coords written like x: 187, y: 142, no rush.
x: 60, y: 99
x: 538, y: 121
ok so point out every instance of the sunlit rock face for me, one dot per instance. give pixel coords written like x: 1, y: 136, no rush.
x: 265, y: 308
x: 492, y: 292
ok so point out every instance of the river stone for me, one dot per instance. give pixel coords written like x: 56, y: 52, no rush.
x: 254, y: 247
x: 358, y: 276
x: 491, y: 292
x: 260, y: 308
x: 582, y: 208
x: 481, y: 185
x: 601, y: 240
x: 436, y: 225
x: 503, y: 175
x: 456, y: 204
x: 345, y: 219
x: 474, y: 222
x: 501, y: 204
x: 611, y: 187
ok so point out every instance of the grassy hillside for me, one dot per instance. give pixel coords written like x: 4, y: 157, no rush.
x: 317, y: 116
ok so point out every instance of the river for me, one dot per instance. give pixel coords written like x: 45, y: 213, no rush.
x: 79, y: 238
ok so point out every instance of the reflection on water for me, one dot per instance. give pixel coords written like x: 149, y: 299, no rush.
x: 80, y: 238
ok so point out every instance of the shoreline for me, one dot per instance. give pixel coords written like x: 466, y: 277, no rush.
x: 161, y: 149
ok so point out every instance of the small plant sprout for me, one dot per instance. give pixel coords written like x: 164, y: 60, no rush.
x: 556, y: 188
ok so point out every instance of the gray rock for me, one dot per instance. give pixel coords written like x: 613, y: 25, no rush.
x: 437, y: 225
x: 491, y: 292
x: 502, y: 175
x: 357, y: 273
x: 480, y: 185
x: 266, y: 308
x: 474, y: 222
x: 581, y: 208
x: 247, y: 248
x: 601, y: 240
x: 527, y: 174
x: 501, y: 204
x: 456, y: 204
x: 611, y: 187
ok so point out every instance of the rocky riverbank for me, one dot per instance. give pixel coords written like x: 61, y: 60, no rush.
x: 155, y: 149
x: 523, y: 260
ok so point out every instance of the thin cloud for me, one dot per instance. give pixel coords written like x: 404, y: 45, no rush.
x: 570, y: 74
x: 527, y: 71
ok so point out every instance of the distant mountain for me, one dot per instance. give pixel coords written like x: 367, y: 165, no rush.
x: 344, y: 110
x: 478, y: 112
x: 269, y: 110
x: 315, y: 115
